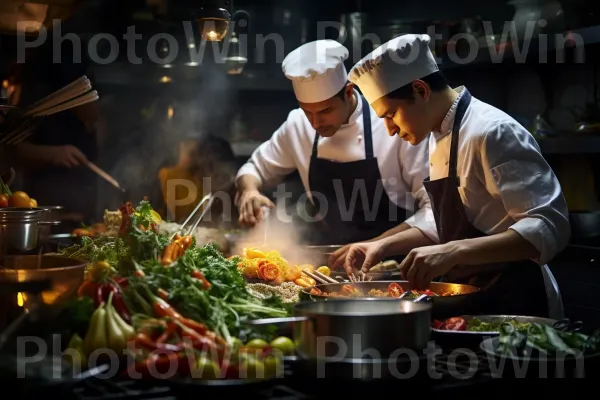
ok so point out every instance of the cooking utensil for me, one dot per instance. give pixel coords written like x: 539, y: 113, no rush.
x: 104, y: 175
x: 443, y: 306
x: 51, y: 218
x: 357, y: 329
x: 207, y: 198
x: 19, y: 229
x: 17, y: 124
x: 65, y: 276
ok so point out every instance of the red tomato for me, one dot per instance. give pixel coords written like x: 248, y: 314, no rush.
x: 437, y: 324
x: 3, y: 200
x: 395, y: 290
x: 454, y: 324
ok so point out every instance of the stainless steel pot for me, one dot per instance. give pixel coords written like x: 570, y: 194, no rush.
x: 19, y: 229
x: 357, y: 329
x: 51, y: 218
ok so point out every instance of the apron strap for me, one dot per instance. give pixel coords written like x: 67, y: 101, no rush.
x: 366, y: 114
x: 367, y: 132
x: 461, y: 109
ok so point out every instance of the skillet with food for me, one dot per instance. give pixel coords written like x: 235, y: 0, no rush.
x: 448, y: 299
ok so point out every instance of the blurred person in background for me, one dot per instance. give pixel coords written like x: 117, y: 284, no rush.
x: 205, y: 163
x: 53, y: 159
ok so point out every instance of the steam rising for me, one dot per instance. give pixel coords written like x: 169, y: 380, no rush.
x: 283, y: 236
x: 199, y: 106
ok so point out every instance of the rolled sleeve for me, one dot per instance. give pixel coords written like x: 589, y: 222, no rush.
x: 529, y: 190
x: 424, y: 221
x: 273, y: 159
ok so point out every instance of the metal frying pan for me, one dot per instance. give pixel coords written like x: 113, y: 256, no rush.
x: 443, y: 306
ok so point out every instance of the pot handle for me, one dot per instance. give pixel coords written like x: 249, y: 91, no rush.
x: 54, y: 223
x: 269, y: 321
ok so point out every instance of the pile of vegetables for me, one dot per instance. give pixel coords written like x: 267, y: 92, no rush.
x: 545, y: 340
x: 272, y: 268
x: 145, y: 292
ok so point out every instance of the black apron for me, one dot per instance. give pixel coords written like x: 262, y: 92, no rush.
x: 515, y: 288
x: 340, y: 223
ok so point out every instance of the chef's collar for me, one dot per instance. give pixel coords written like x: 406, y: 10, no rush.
x: 357, y: 111
x: 448, y: 120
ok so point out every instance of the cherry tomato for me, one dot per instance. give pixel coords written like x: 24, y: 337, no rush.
x: 454, y: 324
x: 395, y: 290
x: 20, y: 199
x: 437, y: 324
x: 3, y: 200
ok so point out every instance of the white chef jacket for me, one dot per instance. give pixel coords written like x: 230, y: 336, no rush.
x: 402, y: 166
x: 505, y: 182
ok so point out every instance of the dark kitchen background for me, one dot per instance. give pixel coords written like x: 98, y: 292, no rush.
x: 146, y: 109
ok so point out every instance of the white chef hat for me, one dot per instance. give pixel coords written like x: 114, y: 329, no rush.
x: 316, y: 70
x: 392, y: 65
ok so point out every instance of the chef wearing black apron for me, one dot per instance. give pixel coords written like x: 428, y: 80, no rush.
x: 501, y: 283
x: 358, y: 182
x: 335, y: 182
x: 498, y: 208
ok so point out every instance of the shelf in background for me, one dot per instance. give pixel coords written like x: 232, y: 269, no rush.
x: 503, y: 52
x: 570, y: 145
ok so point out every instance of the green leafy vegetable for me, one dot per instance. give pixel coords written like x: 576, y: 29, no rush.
x: 545, y: 340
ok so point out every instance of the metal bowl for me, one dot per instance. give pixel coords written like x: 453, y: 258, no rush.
x: 472, y: 339
x: 65, y: 276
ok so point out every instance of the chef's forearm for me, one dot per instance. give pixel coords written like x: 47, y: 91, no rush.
x: 397, y: 229
x: 403, y: 242
x: 502, y: 247
x: 248, y: 182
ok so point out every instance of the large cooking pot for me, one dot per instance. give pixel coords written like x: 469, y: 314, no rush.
x: 357, y: 329
x: 443, y: 306
x: 65, y: 276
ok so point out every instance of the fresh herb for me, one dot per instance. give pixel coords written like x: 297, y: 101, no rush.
x: 102, y: 248
x: 477, y: 325
x: 546, y: 340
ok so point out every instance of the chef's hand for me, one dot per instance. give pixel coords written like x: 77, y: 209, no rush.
x: 362, y: 257
x: 337, y: 258
x: 64, y: 156
x: 424, y: 264
x: 250, y: 205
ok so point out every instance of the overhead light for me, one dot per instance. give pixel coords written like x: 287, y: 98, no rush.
x: 166, y: 79
x: 165, y: 65
x: 213, y: 20
x: 192, y: 64
x: 213, y: 23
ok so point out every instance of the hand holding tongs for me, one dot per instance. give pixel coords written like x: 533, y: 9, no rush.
x: 208, y: 198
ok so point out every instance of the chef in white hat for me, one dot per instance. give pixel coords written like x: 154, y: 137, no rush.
x: 343, y: 154
x: 498, y: 206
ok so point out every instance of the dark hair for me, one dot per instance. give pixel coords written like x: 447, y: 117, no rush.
x: 436, y: 81
x: 342, y: 92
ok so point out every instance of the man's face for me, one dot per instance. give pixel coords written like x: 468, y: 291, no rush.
x: 409, y: 119
x: 326, y: 117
